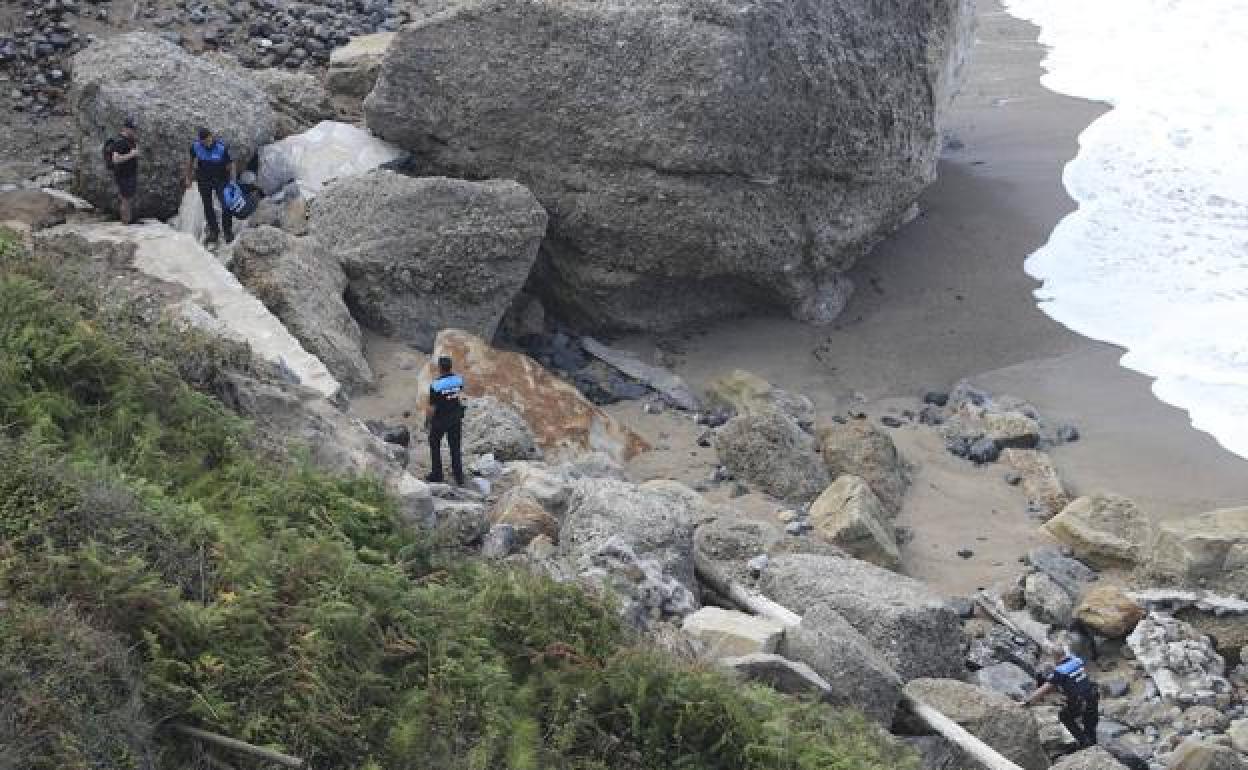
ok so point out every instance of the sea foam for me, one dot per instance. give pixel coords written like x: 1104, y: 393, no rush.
x: 1155, y: 258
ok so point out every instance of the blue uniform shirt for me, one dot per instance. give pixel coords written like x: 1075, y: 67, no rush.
x: 1071, y: 677
x: 444, y: 397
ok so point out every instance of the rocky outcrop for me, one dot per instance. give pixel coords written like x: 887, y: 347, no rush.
x: 1210, y: 549
x: 914, y: 630
x: 169, y: 93
x: 638, y: 539
x: 353, y: 68
x: 858, y: 676
x: 432, y: 253
x: 492, y: 427
x: 772, y: 452
x: 298, y: 99
x: 752, y: 151
x: 191, y: 287
x: 563, y: 422
x: 301, y: 283
x: 860, y: 449
x: 749, y: 395
x: 1104, y: 530
x: 1108, y: 611
x: 849, y: 515
x: 993, y: 718
x: 730, y: 634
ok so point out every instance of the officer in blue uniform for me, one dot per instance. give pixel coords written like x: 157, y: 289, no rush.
x: 445, y: 417
x: 212, y: 167
x: 1081, y: 712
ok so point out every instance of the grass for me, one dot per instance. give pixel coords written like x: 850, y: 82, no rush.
x: 156, y: 566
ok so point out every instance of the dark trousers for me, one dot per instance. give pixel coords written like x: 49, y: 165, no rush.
x: 1080, y: 716
x: 453, y: 433
x: 206, y: 188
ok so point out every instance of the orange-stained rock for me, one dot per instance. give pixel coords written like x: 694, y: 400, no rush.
x: 563, y: 421
x: 526, y: 516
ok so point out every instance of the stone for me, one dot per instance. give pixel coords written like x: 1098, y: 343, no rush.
x: 353, y: 68
x: 1238, y: 732
x: 298, y: 99
x: 639, y: 538
x: 860, y: 449
x: 779, y: 673
x: 747, y: 394
x: 772, y: 452
x: 1182, y: 664
x: 858, y: 676
x: 1103, y: 530
x: 731, y: 192
x: 911, y: 628
x: 499, y: 542
x: 563, y: 422
x: 190, y: 286
x: 464, y: 523
x: 492, y: 427
x: 36, y: 209
x: 169, y: 93
x: 1204, y: 755
x: 1228, y: 631
x: 300, y: 282
x: 526, y: 516
x: 1210, y: 549
x: 1039, y: 479
x: 1095, y: 758
x: 849, y: 515
x: 1047, y: 601
x: 427, y: 254
x: 728, y: 633
x: 934, y: 752
x: 1005, y: 678
x: 1205, y: 719
x: 1071, y: 574
x: 996, y: 720
x: 1109, y: 611
x: 670, y: 386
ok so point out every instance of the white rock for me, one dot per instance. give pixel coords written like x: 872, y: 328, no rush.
x: 728, y: 633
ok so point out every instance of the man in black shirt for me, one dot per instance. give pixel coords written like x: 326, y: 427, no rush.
x: 445, y: 417
x: 123, y: 159
x: 212, y: 167
x: 1082, y: 710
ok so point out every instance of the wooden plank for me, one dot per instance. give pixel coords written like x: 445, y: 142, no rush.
x: 747, y: 600
x: 233, y: 744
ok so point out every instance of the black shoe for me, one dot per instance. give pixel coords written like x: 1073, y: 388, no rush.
x: 459, y: 481
x: 211, y: 240
x: 432, y: 479
x: 229, y: 237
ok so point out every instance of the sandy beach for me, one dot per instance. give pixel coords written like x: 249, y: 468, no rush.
x: 946, y: 298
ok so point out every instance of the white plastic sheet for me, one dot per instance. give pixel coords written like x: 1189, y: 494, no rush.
x: 329, y: 151
x: 190, y: 218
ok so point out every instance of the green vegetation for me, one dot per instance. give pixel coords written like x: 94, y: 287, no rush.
x: 157, y: 567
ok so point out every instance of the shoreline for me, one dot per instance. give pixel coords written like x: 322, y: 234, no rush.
x: 947, y: 298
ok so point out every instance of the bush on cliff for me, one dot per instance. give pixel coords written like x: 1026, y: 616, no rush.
x: 156, y: 568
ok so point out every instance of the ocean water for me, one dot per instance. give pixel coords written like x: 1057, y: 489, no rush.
x: 1155, y: 258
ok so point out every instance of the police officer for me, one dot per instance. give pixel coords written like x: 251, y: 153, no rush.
x: 212, y: 167
x: 444, y: 417
x: 1081, y: 712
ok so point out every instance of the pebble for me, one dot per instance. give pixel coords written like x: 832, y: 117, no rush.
x: 966, y: 553
x: 889, y: 421
x: 757, y: 564
x: 1067, y: 433
x: 1013, y: 478
x: 936, y: 397
x: 797, y: 527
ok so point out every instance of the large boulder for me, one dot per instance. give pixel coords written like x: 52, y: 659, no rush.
x: 730, y: 634
x: 1005, y: 678
x: 563, y: 422
x: 1195, y: 754
x: 302, y: 284
x: 730, y: 545
x: 993, y: 718
x: 859, y: 677
x: 745, y: 393
x: 492, y: 427
x: 752, y: 151
x: 777, y: 672
x: 169, y: 93
x: 1210, y: 549
x: 638, y: 539
x: 431, y: 253
x: 298, y: 99
x: 1095, y: 758
x: 860, y: 449
x: 1108, y: 611
x: 353, y: 68
x: 913, y: 629
x: 849, y: 515
x: 771, y: 451
x: 1104, y: 530
x: 1047, y: 601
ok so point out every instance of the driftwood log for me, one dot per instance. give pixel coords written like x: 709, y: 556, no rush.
x: 233, y: 744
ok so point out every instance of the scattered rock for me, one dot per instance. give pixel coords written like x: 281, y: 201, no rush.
x: 773, y: 453
x: 911, y: 628
x: 427, y: 254
x: 1108, y: 611
x: 859, y: 676
x: 1103, y: 530
x: 729, y: 634
x: 1040, y: 481
x: 849, y: 515
x: 857, y: 448
x: 749, y: 395
x: 993, y: 718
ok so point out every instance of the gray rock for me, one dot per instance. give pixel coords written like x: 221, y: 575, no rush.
x: 858, y: 676
x: 779, y: 673
x: 1095, y: 758
x: 773, y: 453
x: 298, y: 99
x: 169, y: 93
x: 492, y: 427
x: 935, y: 753
x: 993, y: 718
x: 912, y: 628
x: 1047, y: 601
x: 1005, y: 678
x: 858, y: 448
x: 731, y: 543
x: 751, y: 154
x: 428, y: 254
x: 670, y: 386
x: 300, y: 282
x: 1206, y: 755
x: 499, y: 542
x: 1071, y: 574
x: 462, y: 522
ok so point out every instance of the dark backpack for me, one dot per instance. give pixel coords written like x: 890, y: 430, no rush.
x: 110, y: 147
